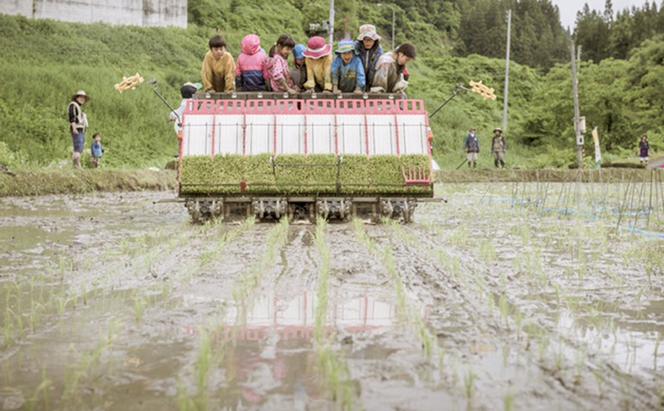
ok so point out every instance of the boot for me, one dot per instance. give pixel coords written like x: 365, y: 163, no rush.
x: 502, y: 163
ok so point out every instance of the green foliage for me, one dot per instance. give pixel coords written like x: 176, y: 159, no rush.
x: 538, y: 39
x: 7, y: 156
x: 601, y: 34
x: 46, y: 62
x: 622, y: 112
x: 315, y: 174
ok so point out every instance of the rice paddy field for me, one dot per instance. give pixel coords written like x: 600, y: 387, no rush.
x: 512, y: 296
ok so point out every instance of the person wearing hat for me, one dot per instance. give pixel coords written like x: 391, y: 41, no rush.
x: 299, y: 70
x: 78, y: 123
x: 218, y: 70
x: 498, y: 148
x: 187, y: 91
x: 318, y: 56
x: 368, y: 48
x: 347, y: 71
x: 389, y: 70
x: 472, y: 147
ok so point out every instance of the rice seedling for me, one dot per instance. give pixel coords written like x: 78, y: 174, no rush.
x: 140, y: 303
x: 487, y: 251
x: 504, y: 306
x: 276, y: 239
x: 40, y: 398
x: 88, y: 363
x: 469, y: 385
x: 334, y: 369
x: 655, y: 353
x: 508, y: 401
x: 227, y: 238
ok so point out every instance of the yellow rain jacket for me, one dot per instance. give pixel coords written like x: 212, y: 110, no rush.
x: 218, y: 75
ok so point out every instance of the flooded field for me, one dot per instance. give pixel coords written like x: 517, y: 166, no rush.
x: 510, y: 296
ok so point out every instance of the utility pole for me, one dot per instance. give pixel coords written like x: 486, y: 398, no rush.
x: 577, y: 111
x: 507, y: 71
x: 332, y: 22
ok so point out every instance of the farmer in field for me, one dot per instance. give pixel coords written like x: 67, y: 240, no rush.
x: 347, y: 70
x: 644, y: 148
x: 369, y: 51
x: 498, y: 148
x: 218, y: 70
x: 187, y: 91
x: 472, y: 146
x: 97, y: 150
x: 318, y: 56
x: 78, y: 123
x: 389, y: 70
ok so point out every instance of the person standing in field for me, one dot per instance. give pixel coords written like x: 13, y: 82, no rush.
x: 97, y: 150
x: 644, y: 148
x: 498, y: 148
x: 187, y: 91
x: 78, y: 123
x: 472, y: 146
x: 218, y: 70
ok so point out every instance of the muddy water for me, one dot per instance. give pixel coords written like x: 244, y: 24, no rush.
x: 112, y: 302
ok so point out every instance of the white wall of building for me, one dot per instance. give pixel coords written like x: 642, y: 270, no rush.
x: 147, y: 13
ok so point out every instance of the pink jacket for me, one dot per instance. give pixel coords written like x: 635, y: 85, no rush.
x: 249, y: 72
x: 278, y: 68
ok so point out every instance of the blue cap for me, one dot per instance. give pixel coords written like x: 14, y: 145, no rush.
x: 298, y: 51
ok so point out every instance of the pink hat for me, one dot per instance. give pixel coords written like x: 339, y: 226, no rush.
x: 316, y: 48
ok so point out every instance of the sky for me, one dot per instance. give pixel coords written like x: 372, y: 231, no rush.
x: 568, y: 8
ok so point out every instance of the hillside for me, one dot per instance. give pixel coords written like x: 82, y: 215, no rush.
x: 39, y: 81
x: 45, y: 61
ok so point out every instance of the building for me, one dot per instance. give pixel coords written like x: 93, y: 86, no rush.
x: 146, y: 13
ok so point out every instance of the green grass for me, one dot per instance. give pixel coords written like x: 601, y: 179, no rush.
x: 70, y: 181
x: 316, y: 174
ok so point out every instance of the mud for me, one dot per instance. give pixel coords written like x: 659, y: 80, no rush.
x: 109, y: 301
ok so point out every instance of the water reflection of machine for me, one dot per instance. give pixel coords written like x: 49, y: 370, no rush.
x: 295, y: 318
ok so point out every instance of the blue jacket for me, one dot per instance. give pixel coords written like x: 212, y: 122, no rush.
x: 97, y: 150
x: 348, y: 77
x: 472, y: 144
